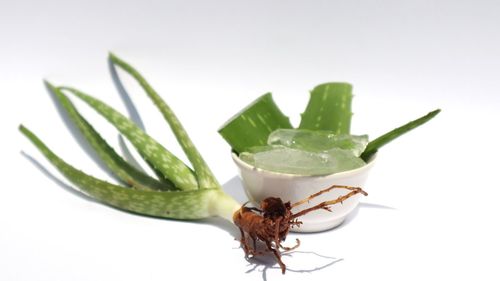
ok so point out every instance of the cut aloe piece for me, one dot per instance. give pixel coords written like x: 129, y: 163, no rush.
x: 377, y: 143
x: 287, y: 160
x: 317, y: 141
x: 108, y: 155
x: 329, y: 108
x: 252, y: 126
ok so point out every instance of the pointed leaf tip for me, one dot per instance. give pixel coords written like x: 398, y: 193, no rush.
x: 49, y: 85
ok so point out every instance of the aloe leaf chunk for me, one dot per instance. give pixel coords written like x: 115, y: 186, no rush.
x: 252, y: 126
x: 377, y: 143
x: 193, y: 204
x: 108, y: 155
x: 329, y: 109
x: 204, y: 175
x: 163, y: 160
x: 317, y: 141
x: 288, y: 160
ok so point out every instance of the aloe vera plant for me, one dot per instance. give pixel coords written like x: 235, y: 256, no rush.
x: 181, y: 192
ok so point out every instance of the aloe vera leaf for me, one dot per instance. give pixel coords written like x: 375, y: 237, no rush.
x: 204, y: 175
x: 192, y: 204
x: 329, y: 108
x: 135, y: 117
x: 377, y: 143
x: 129, y: 158
x: 163, y: 160
x: 113, y: 161
x: 252, y: 125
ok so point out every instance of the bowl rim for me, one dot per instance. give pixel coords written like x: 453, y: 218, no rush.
x: 244, y: 165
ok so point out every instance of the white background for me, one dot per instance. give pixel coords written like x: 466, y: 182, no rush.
x: 433, y: 207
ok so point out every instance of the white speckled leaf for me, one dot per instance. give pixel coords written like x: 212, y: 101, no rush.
x: 194, y: 204
x: 113, y: 160
x: 204, y: 175
x: 163, y: 160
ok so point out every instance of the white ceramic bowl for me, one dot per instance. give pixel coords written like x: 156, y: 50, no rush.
x: 260, y: 184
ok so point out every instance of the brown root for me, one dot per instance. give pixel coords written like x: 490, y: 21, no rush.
x: 272, y: 222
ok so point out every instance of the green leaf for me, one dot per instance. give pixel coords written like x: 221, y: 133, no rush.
x: 252, y: 125
x: 204, y: 175
x: 329, y: 108
x: 162, y: 159
x: 113, y: 161
x: 194, y: 204
x: 377, y: 143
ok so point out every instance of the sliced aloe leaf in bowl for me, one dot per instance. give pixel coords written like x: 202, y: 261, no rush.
x: 252, y: 125
x: 323, y: 135
x: 329, y: 108
x: 317, y: 141
x: 282, y: 159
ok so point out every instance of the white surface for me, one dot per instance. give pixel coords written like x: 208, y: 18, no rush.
x: 432, y: 212
x: 260, y: 184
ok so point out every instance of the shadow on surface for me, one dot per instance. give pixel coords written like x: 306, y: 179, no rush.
x: 375, y: 206
x: 268, y: 262
x: 234, y: 188
x: 57, y: 181
x: 355, y: 212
